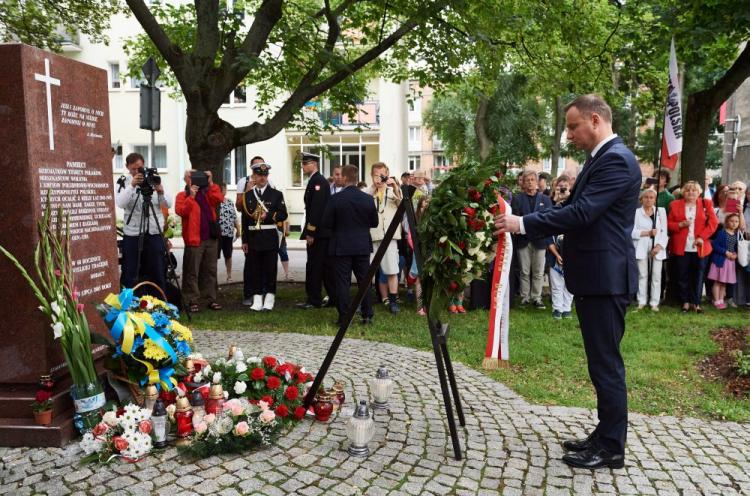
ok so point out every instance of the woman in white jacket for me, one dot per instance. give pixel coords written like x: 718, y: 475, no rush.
x: 650, y: 244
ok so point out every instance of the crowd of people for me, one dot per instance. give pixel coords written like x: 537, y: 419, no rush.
x: 686, y: 238
x: 686, y: 241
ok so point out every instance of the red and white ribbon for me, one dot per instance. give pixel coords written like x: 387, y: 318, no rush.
x: 496, y: 351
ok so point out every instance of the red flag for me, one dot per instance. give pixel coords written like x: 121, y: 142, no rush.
x: 667, y: 160
x: 723, y: 113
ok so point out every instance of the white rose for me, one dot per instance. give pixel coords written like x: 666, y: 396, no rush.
x: 481, y: 256
x: 254, y: 359
x: 480, y: 235
x: 226, y: 395
x: 241, y: 367
x: 217, y: 377
x: 240, y: 387
x: 198, y: 377
x: 206, y: 369
x: 238, y: 356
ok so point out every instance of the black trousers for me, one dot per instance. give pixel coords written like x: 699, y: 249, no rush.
x: 261, y: 268
x: 153, y: 265
x: 602, y: 320
x: 319, y: 272
x: 690, y: 274
x: 344, y: 266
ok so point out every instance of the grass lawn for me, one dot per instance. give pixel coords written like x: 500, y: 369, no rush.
x: 548, y: 364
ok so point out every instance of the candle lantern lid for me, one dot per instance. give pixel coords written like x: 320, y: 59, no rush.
x: 182, y: 405
x: 217, y: 392
x: 159, y: 409
x: 362, y: 411
x: 197, y: 399
x: 151, y: 392
x: 189, y: 365
x: 382, y: 373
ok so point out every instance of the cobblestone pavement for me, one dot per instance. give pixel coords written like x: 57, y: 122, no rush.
x: 511, y: 447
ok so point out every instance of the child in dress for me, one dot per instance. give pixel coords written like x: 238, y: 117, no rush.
x: 723, y: 257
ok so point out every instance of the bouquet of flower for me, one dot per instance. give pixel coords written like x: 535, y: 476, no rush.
x: 127, y: 435
x: 54, y: 287
x: 148, y: 337
x: 456, y: 232
x: 240, y: 426
x: 280, y: 385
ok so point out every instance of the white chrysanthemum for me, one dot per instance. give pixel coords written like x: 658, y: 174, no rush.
x: 240, y: 387
x: 241, y: 367
x: 217, y: 377
x: 110, y: 418
x: 139, y: 444
x: 89, y: 444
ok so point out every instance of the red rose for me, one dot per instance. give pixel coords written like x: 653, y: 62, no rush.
x: 284, y: 368
x: 273, y: 382
x: 299, y: 412
x: 42, y: 396
x: 257, y: 374
x: 462, y: 244
x: 143, y: 304
x: 303, y: 377
x: 488, y: 182
x: 474, y: 195
x: 100, y: 429
x: 269, y: 361
x: 291, y: 393
x: 470, y: 212
x: 282, y: 411
x: 145, y: 426
x: 478, y: 225
x: 498, y: 174
x: 453, y: 286
x: 268, y: 400
x: 120, y: 443
x: 494, y: 208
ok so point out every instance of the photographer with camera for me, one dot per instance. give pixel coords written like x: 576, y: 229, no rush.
x: 197, y: 206
x: 143, y: 247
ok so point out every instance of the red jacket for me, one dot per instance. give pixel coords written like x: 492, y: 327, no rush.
x: 190, y: 212
x: 704, y: 228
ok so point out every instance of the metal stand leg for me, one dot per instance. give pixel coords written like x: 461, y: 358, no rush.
x: 436, y: 347
x: 451, y: 376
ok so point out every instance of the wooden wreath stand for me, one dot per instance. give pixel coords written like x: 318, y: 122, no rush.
x: 438, y: 330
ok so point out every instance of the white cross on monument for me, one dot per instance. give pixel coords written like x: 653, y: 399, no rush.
x: 47, y: 80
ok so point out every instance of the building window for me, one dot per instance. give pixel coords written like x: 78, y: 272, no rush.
x: 415, y: 109
x: 415, y: 138
x: 160, y: 155
x: 441, y: 160
x: 238, y: 97
x: 437, y: 142
x: 114, y: 75
x: 235, y: 165
x: 414, y: 162
x: 117, y: 161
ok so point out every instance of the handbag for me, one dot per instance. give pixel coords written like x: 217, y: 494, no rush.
x: 743, y: 250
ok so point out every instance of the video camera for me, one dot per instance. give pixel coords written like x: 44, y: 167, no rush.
x: 151, y: 178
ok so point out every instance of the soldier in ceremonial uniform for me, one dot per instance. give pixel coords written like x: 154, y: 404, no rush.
x: 263, y: 210
x: 317, y: 194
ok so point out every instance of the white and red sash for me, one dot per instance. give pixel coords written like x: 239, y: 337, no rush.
x: 496, y: 352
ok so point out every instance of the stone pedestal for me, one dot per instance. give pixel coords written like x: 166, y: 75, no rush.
x: 54, y: 114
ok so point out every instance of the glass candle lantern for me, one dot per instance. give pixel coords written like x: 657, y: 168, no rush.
x: 323, y: 407
x: 359, y: 430
x: 150, y: 396
x: 199, y: 407
x: 338, y: 389
x: 184, y: 418
x: 159, y: 423
x: 190, y: 369
x: 215, y: 401
x: 382, y: 388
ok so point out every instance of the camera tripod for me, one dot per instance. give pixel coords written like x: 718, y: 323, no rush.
x: 147, y: 210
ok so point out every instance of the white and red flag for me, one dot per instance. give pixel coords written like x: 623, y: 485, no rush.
x: 671, y: 142
x: 496, y: 351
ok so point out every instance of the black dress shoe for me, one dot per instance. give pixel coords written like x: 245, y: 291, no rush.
x: 579, y: 444
x: 367, y: 321
x: 307, y: 306
x: 593, y: 458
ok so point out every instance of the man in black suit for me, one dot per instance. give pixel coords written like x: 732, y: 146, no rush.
x: 263, y: 209
x: 317, y: 194
x: 600, y: 267
x: 349, y: 216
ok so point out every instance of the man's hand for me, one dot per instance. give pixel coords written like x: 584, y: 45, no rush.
x: 137, y: 179
x: 309, y: 240
x: 559, y: 260
x: 249, y: 185
x: 244, y: 248
x: 655, y: 251
x: 159, y: 189
x: 507, y: 223
x: 193, y: 190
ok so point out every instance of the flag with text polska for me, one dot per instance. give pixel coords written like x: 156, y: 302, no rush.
x: 671, y: 145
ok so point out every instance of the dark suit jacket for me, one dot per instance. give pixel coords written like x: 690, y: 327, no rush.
x: 264, y: 239
x: 317, y: 194
x: 520, y: 206
x: 349, y: 216
x: 597, y: 220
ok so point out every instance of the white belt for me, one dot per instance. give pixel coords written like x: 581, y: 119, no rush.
x: 264, y: 226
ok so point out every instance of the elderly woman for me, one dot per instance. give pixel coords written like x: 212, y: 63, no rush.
x: 741, y: 294
x: 650, y: 239
x: 691, y: 223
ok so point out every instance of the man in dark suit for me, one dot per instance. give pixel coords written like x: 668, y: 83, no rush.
x: 530, y: 250
x: 263, y: 209
x: 317, y: 194
x: 349, y: 216
x: 600, y: 267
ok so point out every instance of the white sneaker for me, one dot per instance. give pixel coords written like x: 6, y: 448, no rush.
x: 268, y: 302
x: 257, y: 303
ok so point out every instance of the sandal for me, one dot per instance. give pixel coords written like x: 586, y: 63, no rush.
x: 214, y: 306
x: 194, y: 308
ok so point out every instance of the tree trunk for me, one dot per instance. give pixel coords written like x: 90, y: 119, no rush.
x: 209, y: 140
x: 558, y: 135
x: 698, y: 123
x: 480, y: 128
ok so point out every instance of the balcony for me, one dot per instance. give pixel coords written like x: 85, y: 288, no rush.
x: 367, y: 115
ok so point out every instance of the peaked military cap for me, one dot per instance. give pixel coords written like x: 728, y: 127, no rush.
x: 261, y: 168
